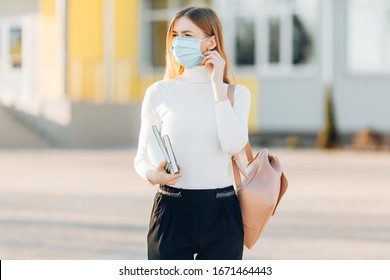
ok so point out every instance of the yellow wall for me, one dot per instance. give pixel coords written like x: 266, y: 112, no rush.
x: 126, y: 26
x: 47, y: 8
x: 86, y: 71
x: 85, y: 49
x: 253, y: 85
x: 127, y: 50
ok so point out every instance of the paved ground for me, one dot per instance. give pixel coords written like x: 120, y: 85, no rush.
x: 80, y: 204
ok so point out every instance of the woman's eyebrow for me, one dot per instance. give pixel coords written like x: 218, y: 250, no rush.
x: 184, y: 31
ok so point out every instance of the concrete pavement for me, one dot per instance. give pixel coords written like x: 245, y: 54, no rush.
x: 90, y: 204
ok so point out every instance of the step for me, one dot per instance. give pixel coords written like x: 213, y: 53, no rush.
x: 16, y: 134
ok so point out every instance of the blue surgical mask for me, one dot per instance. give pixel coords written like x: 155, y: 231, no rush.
x: 187, y: 51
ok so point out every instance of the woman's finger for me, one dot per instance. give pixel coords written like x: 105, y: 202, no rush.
x: 211, y: 61
x: 213, y: 57
x: 174, y: 176
x: 208, y: 64
x: 216, y: 53
x: 162, y: 164
x: 209, y: 52
x: 172, y: 182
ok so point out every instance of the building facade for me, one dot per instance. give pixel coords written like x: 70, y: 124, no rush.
x: 77, y: 70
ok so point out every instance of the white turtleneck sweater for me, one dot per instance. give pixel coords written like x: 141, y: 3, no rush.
x: 204, y: 133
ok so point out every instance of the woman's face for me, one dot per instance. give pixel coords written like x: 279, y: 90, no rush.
x: 184, y: 27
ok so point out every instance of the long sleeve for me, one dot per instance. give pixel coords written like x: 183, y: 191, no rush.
x: 142, y: 162
x: 232, y: 122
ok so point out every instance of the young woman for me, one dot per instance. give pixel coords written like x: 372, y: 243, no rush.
x: 196, y: 212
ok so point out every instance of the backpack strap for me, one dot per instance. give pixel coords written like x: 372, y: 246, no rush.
x: 237, y: 166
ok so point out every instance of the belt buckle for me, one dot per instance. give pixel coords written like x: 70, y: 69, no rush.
x: 171, y: 194
x: 225, y: 194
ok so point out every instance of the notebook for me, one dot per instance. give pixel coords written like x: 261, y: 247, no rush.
x: 171, y: 154
x: 167, y: 151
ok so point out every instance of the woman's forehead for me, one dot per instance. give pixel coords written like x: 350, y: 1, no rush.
x: 184, y: 24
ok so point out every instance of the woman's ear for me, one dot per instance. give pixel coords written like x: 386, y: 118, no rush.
x: 212, y: 44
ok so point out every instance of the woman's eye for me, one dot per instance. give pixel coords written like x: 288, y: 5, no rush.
x: 188, y: 35
x: 174, y: 35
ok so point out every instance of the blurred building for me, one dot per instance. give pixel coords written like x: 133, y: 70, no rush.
x: 74, y: 72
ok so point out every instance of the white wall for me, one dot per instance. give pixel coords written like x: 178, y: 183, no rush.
x: 38, y: 87
x: 17, y: 83
x: 361, y: 101
x: 296, y: 104
x: 290, y: 105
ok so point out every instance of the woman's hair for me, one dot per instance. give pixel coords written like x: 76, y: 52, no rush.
x: 207, y: 20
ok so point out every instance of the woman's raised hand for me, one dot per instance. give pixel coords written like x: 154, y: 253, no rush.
x: 160, y: 176
x: 214, y: 62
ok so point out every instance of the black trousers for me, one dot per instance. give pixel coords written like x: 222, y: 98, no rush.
x: 202, y: 223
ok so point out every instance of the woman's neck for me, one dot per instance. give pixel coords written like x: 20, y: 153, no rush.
x: 197, y: 74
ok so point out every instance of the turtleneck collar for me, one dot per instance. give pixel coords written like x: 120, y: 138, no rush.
x: 197, y: 74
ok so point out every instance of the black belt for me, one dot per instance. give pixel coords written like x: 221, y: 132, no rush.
x: 197, y: 194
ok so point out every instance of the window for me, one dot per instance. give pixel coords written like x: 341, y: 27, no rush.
x: 305, y: 21
x: 159, y: 30
x: 245, y: 41
x: 368, y: 36
x: 1, y: 45
x: 274, y: 40
x: 302, y: 42
x: 266, y: 34
x: 387, y: 38
x: 159, y: 4
x: 275, y: 33
x: 15, y: 48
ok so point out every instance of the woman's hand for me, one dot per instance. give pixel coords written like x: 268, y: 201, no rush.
x: 214, y: 62
x: 160, y: 176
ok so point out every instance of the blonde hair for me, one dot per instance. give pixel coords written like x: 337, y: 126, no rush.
x: 207, y: 20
